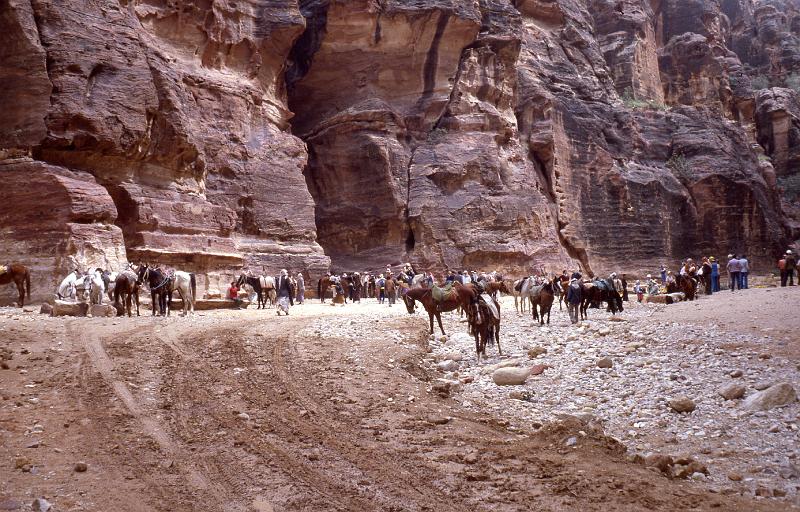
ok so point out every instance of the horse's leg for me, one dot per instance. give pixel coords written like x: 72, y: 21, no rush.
x: 497, y: 337
x: 439, y: 319
x: 430, y: 317
x: 21, y: 290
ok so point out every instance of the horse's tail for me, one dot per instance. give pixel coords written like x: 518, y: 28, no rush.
x: 28, y: 282
x: 194, y: 286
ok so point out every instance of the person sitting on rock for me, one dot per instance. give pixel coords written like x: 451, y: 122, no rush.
x: 233, y: 294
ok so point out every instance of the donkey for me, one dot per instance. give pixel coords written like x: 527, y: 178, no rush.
x: 126, y: 287
x: 484, y: 324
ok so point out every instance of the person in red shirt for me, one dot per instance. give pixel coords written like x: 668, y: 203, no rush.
x: 233, y: 294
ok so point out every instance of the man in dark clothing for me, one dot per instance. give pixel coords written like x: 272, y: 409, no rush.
x: 574, y: 299
x: 706, y: 268
x: 791, y: 262
x: 284, y: 290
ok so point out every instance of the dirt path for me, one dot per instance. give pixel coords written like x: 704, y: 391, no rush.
x: 241, y: 411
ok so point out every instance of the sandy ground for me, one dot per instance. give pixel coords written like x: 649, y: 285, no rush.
x: 242, y: 410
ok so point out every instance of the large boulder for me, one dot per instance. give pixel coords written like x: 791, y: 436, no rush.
x: 106, y: 310
x: 511, y: 376
x: 64, y: 308
x: 775, y: 396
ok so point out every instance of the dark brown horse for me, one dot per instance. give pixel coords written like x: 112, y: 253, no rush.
x: 496, y: 286
x: 596, y: 292
x: 543, y: 297
x: 20, y: 276
x: 485, y: 326
x: 126, y: 287
x: 685, y: 284
x: 463, y: 296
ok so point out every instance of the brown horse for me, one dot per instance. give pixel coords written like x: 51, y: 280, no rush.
x: 21, y: 276
x: 485, y: 326
x: 126, y: 287
x: 543, y: 296
x: 463, y: 296
x: 496, y: 286
x: 685, y: 284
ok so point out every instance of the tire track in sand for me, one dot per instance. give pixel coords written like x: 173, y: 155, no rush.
x: 93, y: 345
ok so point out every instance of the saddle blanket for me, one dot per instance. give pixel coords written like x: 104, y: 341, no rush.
x: 442, y: 294
x: 487, y: 299
x: 3, y: 269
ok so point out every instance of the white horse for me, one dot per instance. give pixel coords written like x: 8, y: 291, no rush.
x: 74, y: 286
x: 186, y: 286
x: 98, y: 287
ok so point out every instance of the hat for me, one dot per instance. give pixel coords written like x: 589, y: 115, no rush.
x: 284, y: 272
x: 649, y: 276
x: 381, y: 276
x: 789, y: 252
x: 730, y: 255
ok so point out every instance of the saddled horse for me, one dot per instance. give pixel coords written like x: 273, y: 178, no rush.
x: 159, y: 284
x: 390, y: 288
x: 458, y: 295
x: 323, y: 285
x: 20, y: 276
x: 126, y: 287
x: 484, y: 324
x: 264, y: 286
x: 542, y: 297
x: 596, y: 292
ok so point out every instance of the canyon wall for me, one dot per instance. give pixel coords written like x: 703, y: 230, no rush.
x: 221, y: 136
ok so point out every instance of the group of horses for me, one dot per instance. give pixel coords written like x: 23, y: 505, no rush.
x: 122, y: 288
x: 540, y: 292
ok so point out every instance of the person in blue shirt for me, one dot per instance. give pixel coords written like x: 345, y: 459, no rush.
x: 714, y: 274
x: 663, y: 275
x: 744, y: 264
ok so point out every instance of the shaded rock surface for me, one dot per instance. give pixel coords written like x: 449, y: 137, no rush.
x: 490, y: 134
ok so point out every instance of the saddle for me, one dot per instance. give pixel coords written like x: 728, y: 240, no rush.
x: 519, y: 285
x: 490, y: 304
x: 604, y: 285
x: 444, y: 294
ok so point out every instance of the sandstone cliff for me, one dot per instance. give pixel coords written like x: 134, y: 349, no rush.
x: 508, y: 134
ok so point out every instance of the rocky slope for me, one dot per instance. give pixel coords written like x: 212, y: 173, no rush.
x: 262, y: 134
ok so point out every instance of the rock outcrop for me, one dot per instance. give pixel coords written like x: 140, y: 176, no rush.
x: 501, y: 134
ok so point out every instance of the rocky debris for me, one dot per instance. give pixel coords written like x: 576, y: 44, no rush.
x: 446, y: 386
x: 653, y: 362
x: 605, y: 362
x: 778, y: 395
x: 448, y: 365
x: 736, y: 374
x: 81, y: 467
x: 46, y: 309
x: 536, y: 351
x: 732, y: 391
x: 682, y: 404
x: 511, y: 376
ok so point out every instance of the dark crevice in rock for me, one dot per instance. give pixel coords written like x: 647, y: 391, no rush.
x: 302, y: 53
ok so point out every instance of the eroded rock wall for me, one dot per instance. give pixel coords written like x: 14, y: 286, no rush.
x: 507, y: 134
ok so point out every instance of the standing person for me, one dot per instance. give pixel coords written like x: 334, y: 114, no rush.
x: 714, y: 274
x: 301, y: 288
x: 707, y: 275
x: 284, y: 290
x: 744, y: 264
x: 381, y: 284
x: 574, y: 299
x: 233, y: 294
x: 733, y: 271
x: 791, y: 262
x: 663, y: 275
x: 782, y: 269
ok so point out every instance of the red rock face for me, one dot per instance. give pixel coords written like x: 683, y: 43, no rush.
x: 492, y: 134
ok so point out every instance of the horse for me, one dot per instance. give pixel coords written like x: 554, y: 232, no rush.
x: 459, y: 296
x: 185, y: 284
x: 20, y: 276
x: 159, y: 284
x: 595, y: 292
x: 542, y: 296
x: 391, y: 290
x: 98, y: 287
x: 261, y: 285
x: 109, y: 281
x: 126, y: 286
x: 688, y: 285
x: 323, y: 285
x: 484, y: 324
x: 561, y: 290
x: 516, y: 291
x: 492, y: 287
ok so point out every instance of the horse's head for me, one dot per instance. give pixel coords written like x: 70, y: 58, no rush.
x: 141, y: 272
x: 410, y: 303
x: 241, y: 280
